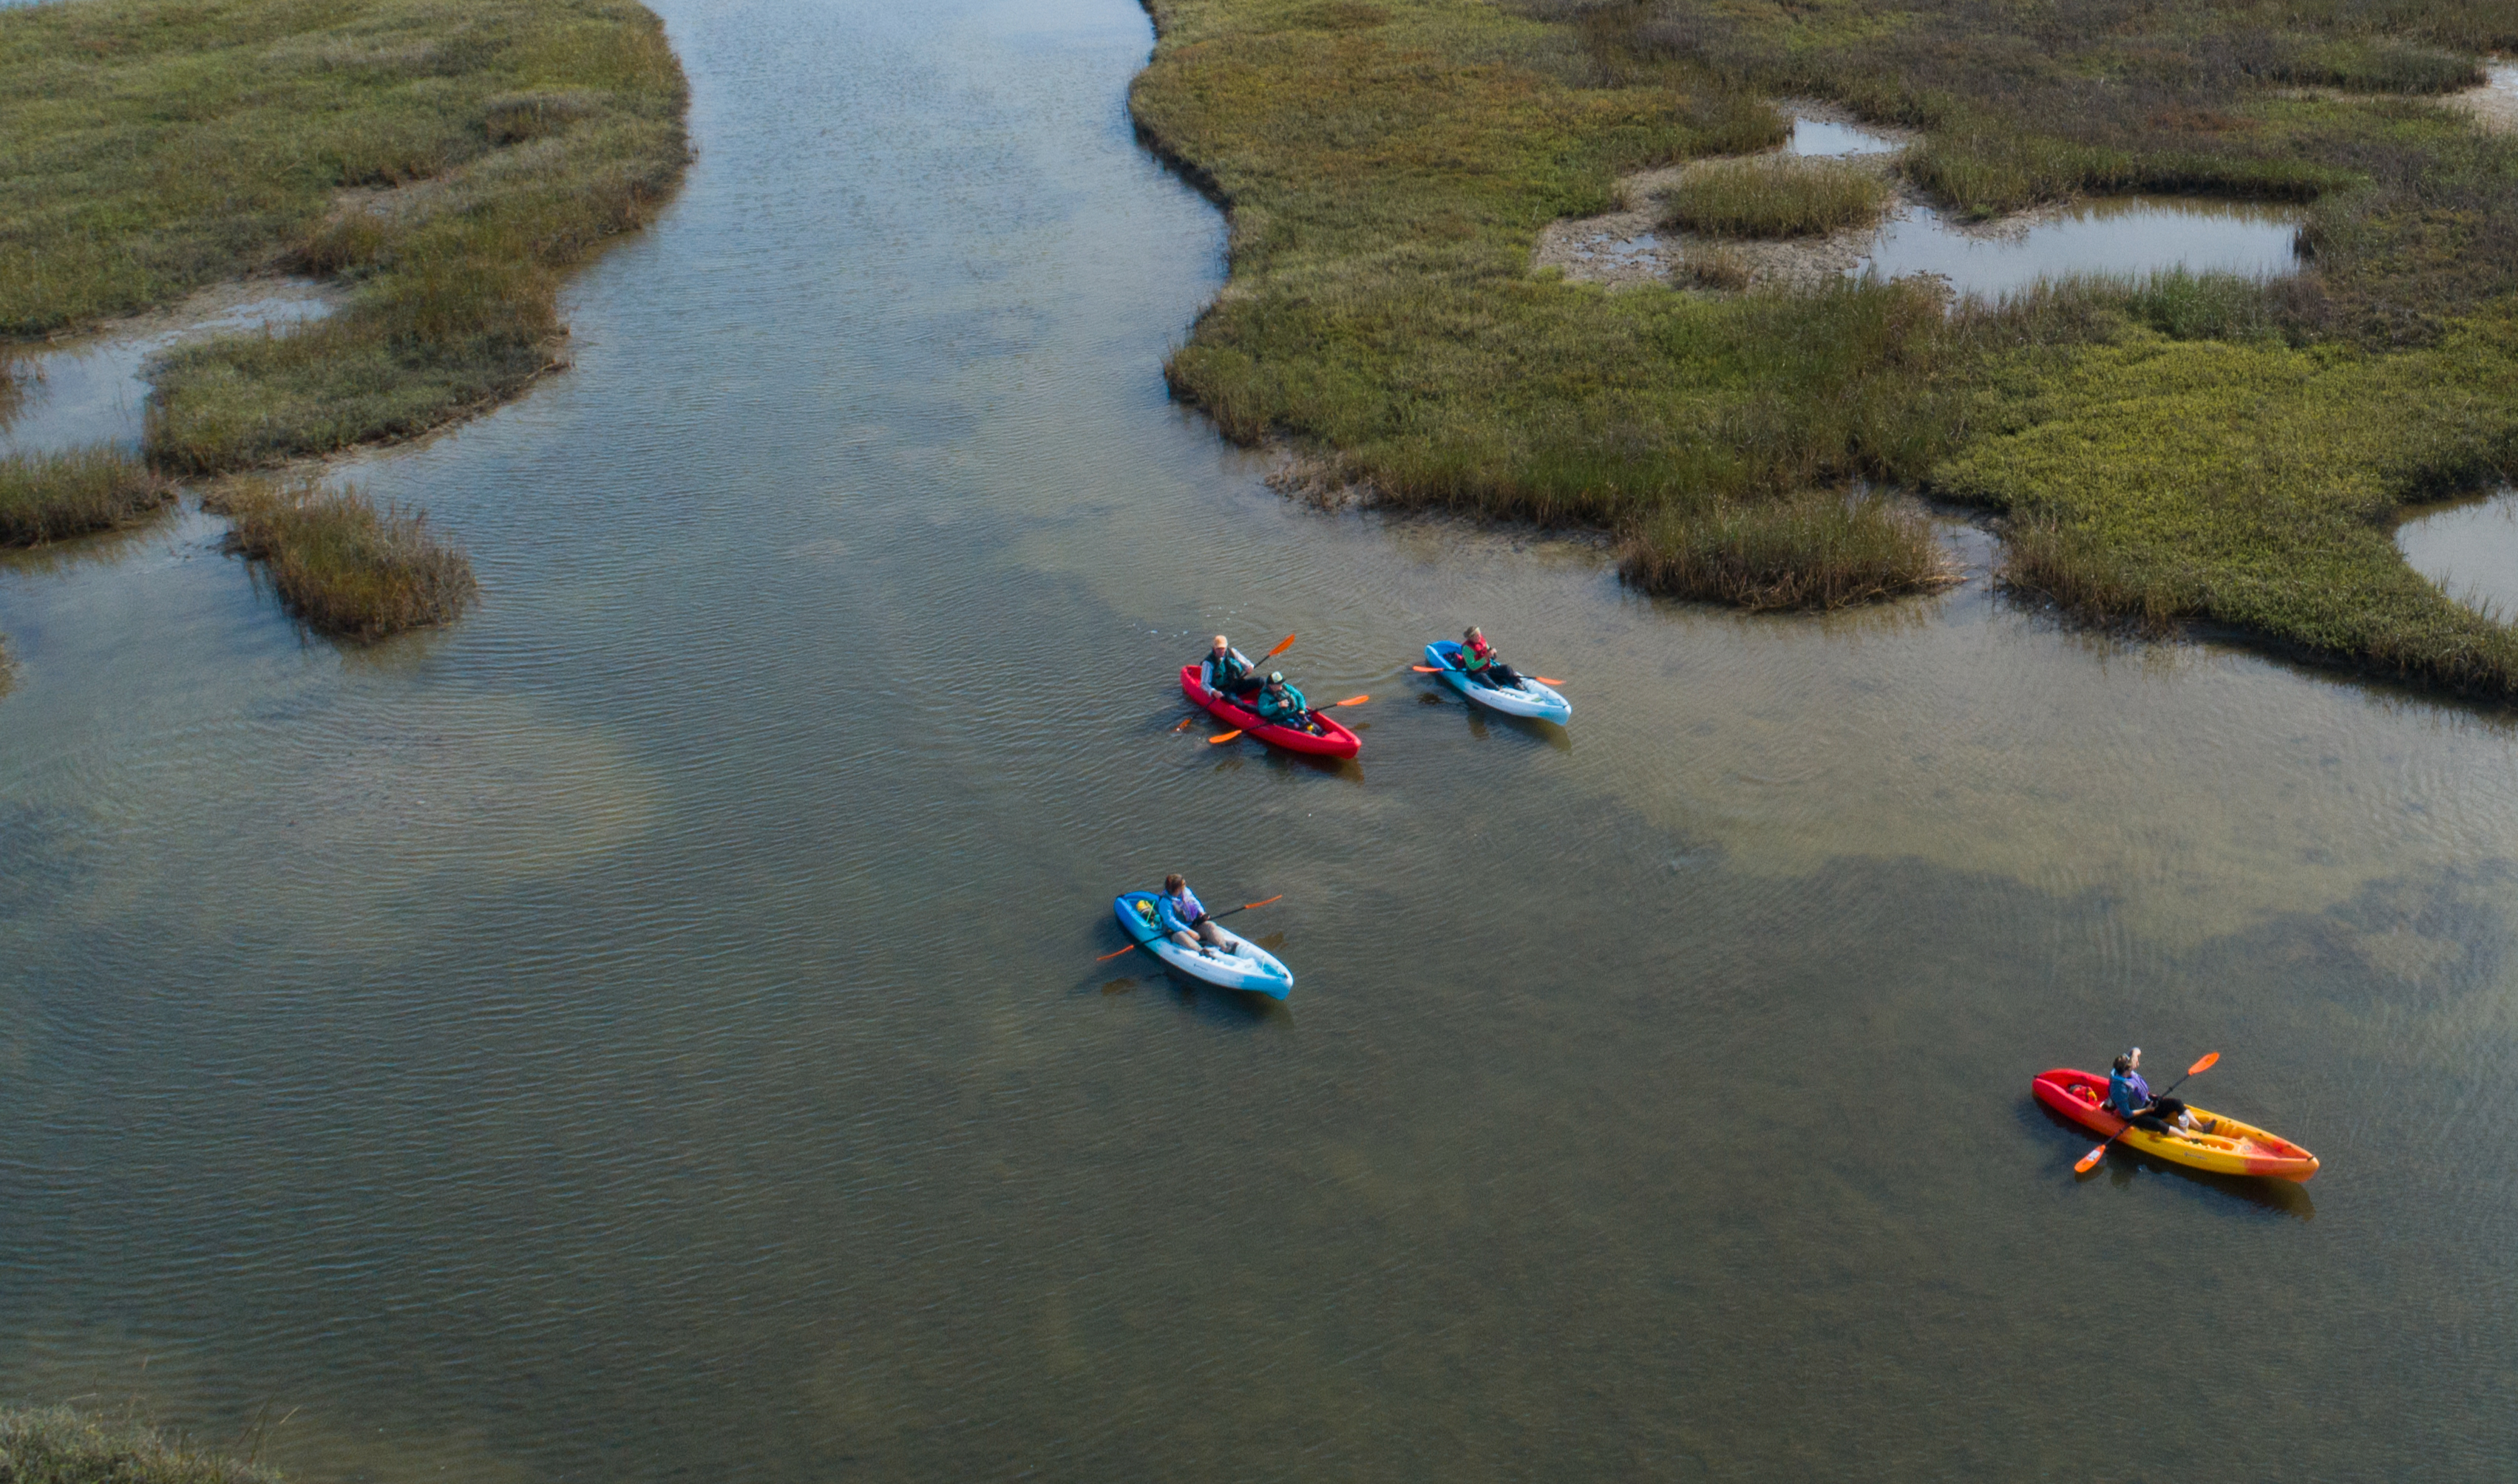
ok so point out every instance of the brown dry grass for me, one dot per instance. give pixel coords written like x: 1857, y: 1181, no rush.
x: 343, y: 564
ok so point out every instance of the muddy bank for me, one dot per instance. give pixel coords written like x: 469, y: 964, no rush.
x: 1629, y: 246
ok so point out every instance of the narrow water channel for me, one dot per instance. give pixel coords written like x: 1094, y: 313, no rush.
x: 652, y: 1030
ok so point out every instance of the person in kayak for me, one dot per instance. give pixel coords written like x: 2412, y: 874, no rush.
x: 1184, y: 916
x: 1225, y: 671
x: 1281, y: 705
x: 2129, y: 1098
x: 1485, y: 666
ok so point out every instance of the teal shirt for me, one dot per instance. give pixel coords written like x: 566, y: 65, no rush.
x: 1292, y: 708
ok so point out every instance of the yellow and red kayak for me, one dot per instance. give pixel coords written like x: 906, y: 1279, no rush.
x: 2218, y: 1142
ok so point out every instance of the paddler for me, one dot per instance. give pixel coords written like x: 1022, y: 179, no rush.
x: 1280, y: 704
x: 2129, y: 1098
x: 1225, y: 671
x: 1484, y: 664
x: 1182, y: 916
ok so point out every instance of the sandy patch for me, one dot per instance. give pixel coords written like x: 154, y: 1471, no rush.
x: 1628, y: 246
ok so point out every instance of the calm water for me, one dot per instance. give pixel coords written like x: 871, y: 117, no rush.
x: 2121, y: 237
x: 2469, y: 548
x: 651, y: 1031
x: 1817, y: 135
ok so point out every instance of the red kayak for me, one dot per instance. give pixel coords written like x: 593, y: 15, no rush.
x: 1334, y: 741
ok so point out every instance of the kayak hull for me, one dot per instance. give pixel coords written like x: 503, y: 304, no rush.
x: 2222, y: 1145
x: 1537, y: 702
x: 1242, y: 965
x: 1334, y: 741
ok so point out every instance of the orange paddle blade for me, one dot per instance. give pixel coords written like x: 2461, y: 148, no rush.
x: 1185, y: 721
x: 2090, y: 1160
x: 2209, y: 1057
x: 1544, y: 680
x: 1352, y: 700
x: 1280, y: 649
x: 1426, y: 669
x: 1107, y: 957
x: 1225, y: 737
x: 1247, y: 906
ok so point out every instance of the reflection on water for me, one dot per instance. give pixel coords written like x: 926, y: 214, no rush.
x: 654, y: 1027
x: 91, y: 391
x: 2469, y: 548
x: 2120, y: 236
x: 1812, y: 136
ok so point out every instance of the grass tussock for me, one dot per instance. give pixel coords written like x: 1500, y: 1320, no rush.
x: 52, y: 496
x: 1816, y: 552
x: 59, y: 1446
x: 451, y: 162
x: 1774, y: 196
x: 344, y: 564
x: 1719, y: 269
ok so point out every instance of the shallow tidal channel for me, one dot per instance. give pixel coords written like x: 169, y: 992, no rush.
x: 651, y: 1030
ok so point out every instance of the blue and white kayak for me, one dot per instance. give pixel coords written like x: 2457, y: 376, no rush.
x: 1239, y: 964
x: 1528, y: 699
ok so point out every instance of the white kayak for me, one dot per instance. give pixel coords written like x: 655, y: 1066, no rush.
x: 1528, y: 698
x: 1238, y: 964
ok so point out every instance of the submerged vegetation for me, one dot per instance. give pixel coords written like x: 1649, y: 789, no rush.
x: 1775, y: 196
x: 1388, y: 166
x: 344, y: 564
x: 51, y: 496
x: 59, y: 1446
x: 450, y: 162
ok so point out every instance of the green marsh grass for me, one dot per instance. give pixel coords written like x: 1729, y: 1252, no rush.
x: 342, y: 564
x: 59, y: 1446
x: 1774, y: 196
x: 52, y: 496
x: 1388, y: 166
x: 1820, y: 551
x: 450, y: 161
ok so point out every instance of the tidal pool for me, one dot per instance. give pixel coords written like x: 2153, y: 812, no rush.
x: 1816, y: 136
x: 652, y: 1028
x: 92, y: 389
x: 2112, y: 236
x: 2469, y: 548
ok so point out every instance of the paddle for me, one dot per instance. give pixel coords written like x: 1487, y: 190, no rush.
x: 1352, y: 700
x: 2090, y: 1160
x: 1435, y: 669
x: 1227, y: 912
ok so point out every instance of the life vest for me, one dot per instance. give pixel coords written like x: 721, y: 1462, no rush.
x: 1224, y: 669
